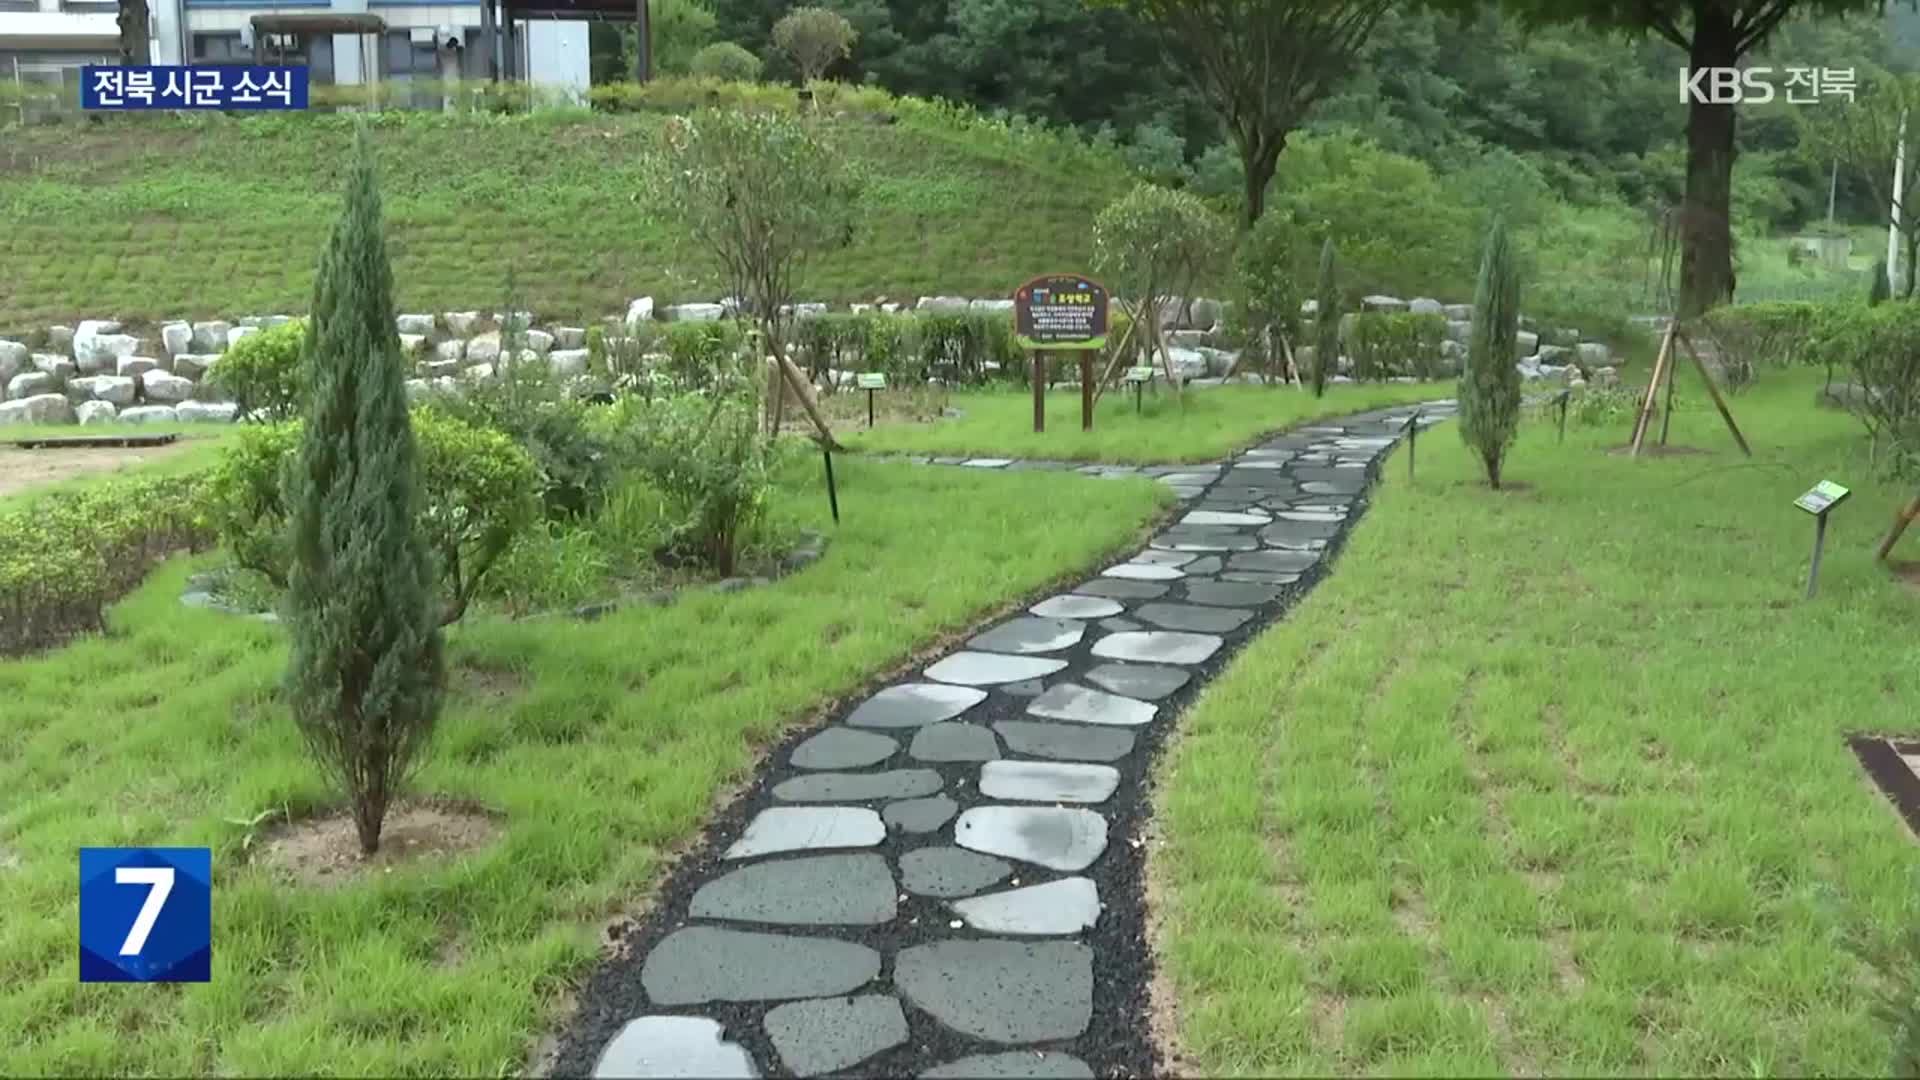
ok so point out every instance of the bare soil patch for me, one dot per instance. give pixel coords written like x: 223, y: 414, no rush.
x: 326, y: 851
x: 1906, y: 571
x: 24, y: 469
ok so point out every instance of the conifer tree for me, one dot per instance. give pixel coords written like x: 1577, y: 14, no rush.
x: 1490, y: 382
x: 367, y: 671
x: 1326, y: 319
x: 1879, y: 290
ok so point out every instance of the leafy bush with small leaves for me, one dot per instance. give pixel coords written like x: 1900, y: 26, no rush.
x: 1153, y: 243
x: 699, y: 353
x: 1387, y: 345
x: 1264, y: 318
x: 1881, y: 346
x: 815, y: 39
x: 261, y: 372
x: 526, y: 401
x: 1749, y: 337
x: 726, y: 61
x: 478, y: 488
x: 65, y: 556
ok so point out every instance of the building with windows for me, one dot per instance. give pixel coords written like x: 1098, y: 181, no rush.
x: 48, y: 41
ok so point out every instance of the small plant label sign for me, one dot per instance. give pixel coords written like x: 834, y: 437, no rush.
x: 872, y: 380
x: 1140, y: 374
x: 1824, y: 496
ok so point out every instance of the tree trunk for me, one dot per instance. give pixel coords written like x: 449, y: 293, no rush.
x: 134, y: 44
x: 1706, y: 236
x: 1258, y: 158
x: 1913, y: 251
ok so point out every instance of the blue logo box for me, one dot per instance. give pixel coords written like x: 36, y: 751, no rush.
x: 177, y: 86
x: 146, y: 914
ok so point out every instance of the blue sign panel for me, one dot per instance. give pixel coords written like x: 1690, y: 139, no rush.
x: 146, y: 914
x: 175, y: 86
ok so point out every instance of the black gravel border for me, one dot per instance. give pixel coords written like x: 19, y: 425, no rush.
x: 1118, y: 1041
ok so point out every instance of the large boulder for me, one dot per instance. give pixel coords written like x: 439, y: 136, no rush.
x: 165, y: 388
x: 461, y: 323
x: 513, y: 320
x: 59, y: 367
x: 96, y: 351
x: 991, y: 305
x: 1462, y: 312
x: 234, y: 335
x: 177, y: 337
x: 1453, y: 356
x: 114, y: 389
x: 1554, y: 354
x: 206, y: 412
x: 696, y: 312
x: 1525, y: 344
x: 95, y: 412
x: 1188, y: 363
x: 60, y: 338
x: 194, y: 365
x: 1204, y: 314
x: 413, y: 324
x: 484, y: 349
x: 1219, y: 361
x: 1382, y: 303
x: 1460, y: 330
x: 477, y: 372
x: 417, y: 390
x: 639, y: 311
x: 38, y: 409
x: 149, y: 414
x: 451, y: 349
x: 13, y: 359
x: 941, y: 304
x: 30, y: 384
x: 539, y: 341
x: 569, y: 337
x: 1425, y: 305
x: 412, y: 345
x: 210, y: 336
x: 437, y: 368
x: 1594, y: 354
x: 568, y: 362
x: 1309, y: 308
x: 133, y: 367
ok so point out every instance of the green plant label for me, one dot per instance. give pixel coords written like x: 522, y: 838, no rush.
x: 1060, y: 311
x: 872, y: 380
x: 1825, y: 496
x: 1140, y: 374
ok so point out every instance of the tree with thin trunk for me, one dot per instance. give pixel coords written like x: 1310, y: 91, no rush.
x: 1712, y: 34
x: 1490, y: 384
x: 1151, y: 244
x: 1261, y: 64
x: 1326, y: 318
x: 1867, y: 136
x: 815, y: 39
x: 762, y: 194
x: 367, y: 669
x: 135, y: 46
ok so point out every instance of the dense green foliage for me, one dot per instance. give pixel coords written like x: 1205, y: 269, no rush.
x: 1387, y: 345
x: 1152, y: 245
x: 1264, y: 318
x: 366, y: 671
x: 1327, y: 308
x: 261, y: 372
x: 1880, y: 346
x: 814, y: 39
x: 1752, y: 337
x: 1490, y: 383
x: 64, y: 556
x: 724, y: 60
x: 573, y: 462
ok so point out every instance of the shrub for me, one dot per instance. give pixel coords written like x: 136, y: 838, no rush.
x: 574, y: 462
x: 1264, y: 318
x: 478, y: 490
x: 727, y: 61
x: 552, y: 565
x: 1752, y: 336
x: 65, y: 556
x: 814, y: 39
x: 1326, y: 318
x: 1392, y: 344
x: 703, y: 451
x: 1490, y: 385
x: 701, y: 353
x: 1881, y: 346
x: 261, y: 372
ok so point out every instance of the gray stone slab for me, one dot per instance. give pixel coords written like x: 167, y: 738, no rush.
x: 808, y: 828
x: 1273, y: 560
x: 1211, y: 620
x: 1048, y: 781
x: 843, y: 748
x: 821, y: 890
x: 1259, y: 577
x: 708, y: 963
x: 1017, y: 1065
x: 919, y: 815
x: 1023, y: 688
x: 914, y: 704
x: 1320, y: 517
x: 1002, y: 991
x: 661, y: 1047
x: 1132, y: 571
x: 1197, y: 541
x: 1164, y: 558
x: 1030, y: 634
x: 950, y: 872
x: 953, y: 741
x: 1067, y: 906
x: 1220, y: 517
x: 1158, y: 646
x: 1149, y: 682
x: 815, y: 1037
x: 1083, y: 705
x: 987, y: 668
x: 988, y: 462
x: 1118, y: 625
x: 1115, y: 589
x: 1057, y: 837
x: 1069, y: 606
x: 1231, y: 593
x: 1202, y: 567
x: 1065, y: 742
x: 858, y: 787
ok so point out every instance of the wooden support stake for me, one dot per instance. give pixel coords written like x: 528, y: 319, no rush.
x: 805, y: 393
x: 1900, y: 522
x: 1645, y: 415
x: 1039, y: 391
x: 1086, y: 389
x: 1666, y: 414
x: 1718, y: 401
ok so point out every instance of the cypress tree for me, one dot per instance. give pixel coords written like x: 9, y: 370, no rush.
x: 1490, y: 382
x: 367, y: 669
x: 1878, y: 290
x: 1326, y: 320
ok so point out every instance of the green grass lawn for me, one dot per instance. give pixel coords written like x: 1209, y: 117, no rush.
x: 1200, y: 425
x: 1553, y: 781
x: 603, y: 746
x: 94, y: 217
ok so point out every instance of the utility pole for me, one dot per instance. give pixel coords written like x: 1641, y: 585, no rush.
x: 1893, y: 222
x: 643, y: 48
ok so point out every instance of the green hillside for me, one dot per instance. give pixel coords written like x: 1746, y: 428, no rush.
x: 152, y: 217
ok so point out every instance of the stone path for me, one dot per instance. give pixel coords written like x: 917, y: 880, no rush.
x: 946, y: 881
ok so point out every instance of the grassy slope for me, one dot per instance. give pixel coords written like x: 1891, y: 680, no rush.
x: 1209, y: 423
x: 603, y: 745
x: 1554, y: 781
x: 153, y: 217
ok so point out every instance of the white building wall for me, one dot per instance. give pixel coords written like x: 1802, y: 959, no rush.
x: 557, y: 56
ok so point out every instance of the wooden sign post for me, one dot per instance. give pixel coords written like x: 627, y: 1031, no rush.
x: 1061, y: 311
x: 871, y: 381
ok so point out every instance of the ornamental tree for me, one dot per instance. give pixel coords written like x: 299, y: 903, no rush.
x: 1151, y: 244
x: 814, y: 39
x: 367, y: 670
x: 1326, y: 318
x: 1490, y: 382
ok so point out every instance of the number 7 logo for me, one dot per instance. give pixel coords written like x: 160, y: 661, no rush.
x: 161, y: 932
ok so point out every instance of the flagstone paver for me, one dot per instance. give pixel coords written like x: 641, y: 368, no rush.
x: 1004, y: 775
